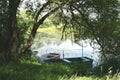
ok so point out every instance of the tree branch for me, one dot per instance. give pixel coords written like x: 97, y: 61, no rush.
x: 91, y: 28
x: 40, y: 10
x: 36, y: 25
x: 33, y: 32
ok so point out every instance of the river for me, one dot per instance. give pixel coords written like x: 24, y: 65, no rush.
x: 69, y: 49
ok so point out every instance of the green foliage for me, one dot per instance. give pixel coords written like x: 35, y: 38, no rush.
x: 74, y: 15
x: 12, y: 71
x: 32, y: 72
x: 28, y: 57
x: 82, y: 68
x: 111, y: 67
x: 3, y: 28
x: 97, y: 20
x: 74, y: 77
x: 25, y: 22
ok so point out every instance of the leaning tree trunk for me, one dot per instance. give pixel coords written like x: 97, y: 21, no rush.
x: 37, y: 23
x: 13, y: 30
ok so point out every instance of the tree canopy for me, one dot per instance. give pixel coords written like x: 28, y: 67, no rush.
x: 98, y: 20
x: 95, y: 19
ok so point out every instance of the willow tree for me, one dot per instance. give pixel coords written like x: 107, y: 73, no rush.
x: 98, y: 20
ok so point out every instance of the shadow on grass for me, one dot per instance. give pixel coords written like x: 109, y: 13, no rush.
x: 33, y: 71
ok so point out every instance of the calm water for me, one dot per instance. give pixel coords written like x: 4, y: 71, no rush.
x: 69, y: 50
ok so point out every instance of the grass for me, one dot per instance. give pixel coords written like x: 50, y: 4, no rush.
x: 29, y: 71
x: 32, y: 72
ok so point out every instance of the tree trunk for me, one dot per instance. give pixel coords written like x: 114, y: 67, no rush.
x: 12, y: 28
x: 36, y: 25
x: 12, y: 42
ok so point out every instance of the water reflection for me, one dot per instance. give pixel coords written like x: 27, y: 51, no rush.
x: 69, y: 50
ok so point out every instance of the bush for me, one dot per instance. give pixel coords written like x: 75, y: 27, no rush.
x: 81, y: 68
x: 112, y: 66
x: 28, y: 57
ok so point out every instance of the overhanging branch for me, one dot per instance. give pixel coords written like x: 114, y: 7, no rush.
x: 40, y: 10
x: 37, y: 24
x: 33, y: 32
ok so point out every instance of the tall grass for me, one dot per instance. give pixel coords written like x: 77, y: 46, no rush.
x: 110, y: 76
x: 30, y: 71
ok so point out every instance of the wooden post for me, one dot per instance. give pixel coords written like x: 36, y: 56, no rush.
x: 63, y: 54
x: 82, y: 49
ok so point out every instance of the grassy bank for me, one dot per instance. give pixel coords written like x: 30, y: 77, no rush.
x: 27, y: 71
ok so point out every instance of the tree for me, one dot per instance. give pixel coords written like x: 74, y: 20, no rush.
x: 98, y: 19
x: 11, y: 48
x: 75, y: 15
